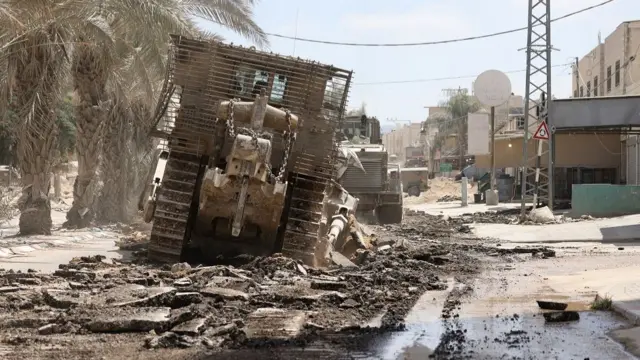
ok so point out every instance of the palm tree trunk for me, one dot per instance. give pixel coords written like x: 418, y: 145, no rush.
x: 39, y: 74
x: 91, y: 113
x: 109, y: 209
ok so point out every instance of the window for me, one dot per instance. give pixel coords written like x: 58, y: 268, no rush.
x: 609, y: 79
x: 520, y: 123
x: 575, y: 93
x: 617, y: 75
x: 249, y: 82
x: 588, y: 88
x: 581, y: 91
x: 277, y: 89
x: 595, y: 86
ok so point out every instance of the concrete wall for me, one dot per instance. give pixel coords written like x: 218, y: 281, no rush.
x: 604, y: 200
x: 572, y: 150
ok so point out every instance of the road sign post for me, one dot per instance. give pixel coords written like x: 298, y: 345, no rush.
x: 542, y: 133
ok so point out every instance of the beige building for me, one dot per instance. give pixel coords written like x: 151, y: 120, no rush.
x: 509, y: 118
x: 611, y: 69
x: 400, y: 138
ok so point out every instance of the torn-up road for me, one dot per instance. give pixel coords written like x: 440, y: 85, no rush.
x: 81, y: 309
x: 271, y: 307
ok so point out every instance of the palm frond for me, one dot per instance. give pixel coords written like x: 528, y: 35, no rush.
x: 236, y: 15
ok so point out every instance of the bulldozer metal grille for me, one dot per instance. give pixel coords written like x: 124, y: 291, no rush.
x: 201, y: 74
x: 372, y: 179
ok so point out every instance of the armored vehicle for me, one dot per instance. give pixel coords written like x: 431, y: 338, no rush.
x: 375, y: 183
x: 250, y: 152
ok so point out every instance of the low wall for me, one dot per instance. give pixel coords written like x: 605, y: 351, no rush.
x: 604, y: 200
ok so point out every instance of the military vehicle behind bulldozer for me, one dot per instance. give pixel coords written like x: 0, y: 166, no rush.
x: 251, y: 150
x: 375, y: 183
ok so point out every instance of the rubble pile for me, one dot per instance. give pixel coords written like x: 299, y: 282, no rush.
x: 437, y: 226
x: 222, y: 306
x: 448, y: 198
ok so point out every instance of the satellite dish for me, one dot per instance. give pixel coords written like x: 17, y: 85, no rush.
x: 492, y: 88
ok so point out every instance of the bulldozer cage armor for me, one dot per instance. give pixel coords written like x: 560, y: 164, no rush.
x: 190, y: 115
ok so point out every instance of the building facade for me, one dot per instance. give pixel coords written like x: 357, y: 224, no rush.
x: 611, y: 69
x: 397, y: 140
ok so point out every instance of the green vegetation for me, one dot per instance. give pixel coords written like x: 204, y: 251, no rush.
x: 601, y: 303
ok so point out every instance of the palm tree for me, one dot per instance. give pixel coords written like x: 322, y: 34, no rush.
x: 137, y: 42
x: 458, y: 107
x: 34, y: 45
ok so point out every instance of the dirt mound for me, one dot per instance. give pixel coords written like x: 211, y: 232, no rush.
x: 442, y: 188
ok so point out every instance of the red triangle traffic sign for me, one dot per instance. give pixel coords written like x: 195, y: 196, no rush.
x: 542, y: 133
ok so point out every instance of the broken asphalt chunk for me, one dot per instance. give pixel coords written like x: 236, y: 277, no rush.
x: 551, y: 305
x: 271, y: 323
x: 221, y: 330
x: 182, y: 282
x: 224, y: 294
x: 193, y: 327
x: 349, y: 303
x: 130, y: 320
x: 182, y: 299
x: 77, y: 275
x: 341, y: 260
x: 169, y: 340
x: 8, y: 289
x: 127, y: 295
x: 561, y: 316
x: 328, y: 285
x: 47, y: 329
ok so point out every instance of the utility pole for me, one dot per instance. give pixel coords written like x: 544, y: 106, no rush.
x: 538, y: 84
x: 577, y: 68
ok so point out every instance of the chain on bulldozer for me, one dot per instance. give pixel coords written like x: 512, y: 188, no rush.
x: 230, y: 123
x: 290, y: 138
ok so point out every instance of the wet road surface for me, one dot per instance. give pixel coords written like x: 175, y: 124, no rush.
x: 496, y: 318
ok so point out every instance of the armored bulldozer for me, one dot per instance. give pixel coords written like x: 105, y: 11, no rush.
x: 374, y: 181
x: 250, y: 152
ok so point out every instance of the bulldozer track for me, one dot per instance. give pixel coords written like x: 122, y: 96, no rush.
x: 173, y: 206
x: 304, y: 217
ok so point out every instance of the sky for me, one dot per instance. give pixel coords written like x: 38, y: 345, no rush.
x: 384, y: 21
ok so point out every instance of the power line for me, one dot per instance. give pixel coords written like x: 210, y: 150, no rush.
x: 437, y: 42
x: 442, y: 78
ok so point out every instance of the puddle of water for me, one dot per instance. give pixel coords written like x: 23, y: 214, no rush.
x: 424, y: 328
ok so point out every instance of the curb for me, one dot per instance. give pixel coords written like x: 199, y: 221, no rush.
x: 619, y: 308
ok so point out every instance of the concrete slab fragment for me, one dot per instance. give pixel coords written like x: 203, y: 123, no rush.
x: 224, y: 294
x: 130, y: 319
x: 128, y: 295
x: 192, y: 327
x: 341, y: 260
x: 8, y: 289
x: 297, y: 292
x: 230, y: 282
x: 271, y: 323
